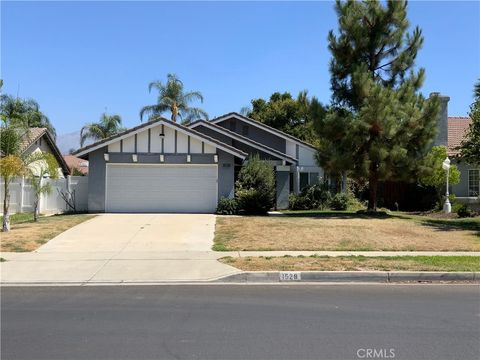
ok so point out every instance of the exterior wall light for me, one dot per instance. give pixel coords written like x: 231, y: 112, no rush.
x: 189, y: 158
x: 134, y: 157
x: 106, y: 156
x: 215, y: 158
x: 162, y: 158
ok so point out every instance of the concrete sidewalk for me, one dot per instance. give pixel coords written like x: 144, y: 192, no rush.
x: 144, y: 266
x: 112, y: 268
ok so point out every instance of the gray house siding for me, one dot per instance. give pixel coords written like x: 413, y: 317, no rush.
x: 97, y: 171
x: 254, y: 133
x: 96, y: 180
x: 237, y: 144
x: 226, y: 175
x: 215, y: 134
x: 283, y: 189
x: 461, y: 189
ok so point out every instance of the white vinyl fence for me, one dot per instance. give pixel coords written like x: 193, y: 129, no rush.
x: 22, y: 196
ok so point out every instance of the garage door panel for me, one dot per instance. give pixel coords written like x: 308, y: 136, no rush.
x: 161, y: 188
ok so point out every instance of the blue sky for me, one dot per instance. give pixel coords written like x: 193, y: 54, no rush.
x: 79, y: 58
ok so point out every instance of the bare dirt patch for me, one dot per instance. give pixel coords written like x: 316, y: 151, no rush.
x: 342, y: 233
x: 29, y: 235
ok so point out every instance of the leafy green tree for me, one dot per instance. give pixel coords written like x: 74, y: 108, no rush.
x: 379, y: 126
x: 107, y: 126
x: 433, y: 173
x: 172, y: 97
x: 293, y: 116
x: 470, y: 146
x: 38, y: 166
x: 255, y: 187
x: 13, y: 124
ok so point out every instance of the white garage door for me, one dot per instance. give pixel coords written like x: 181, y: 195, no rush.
x: 161, y: 188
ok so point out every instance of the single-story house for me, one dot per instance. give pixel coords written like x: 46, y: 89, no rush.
x: 452, y: 130
x: 162, y: 166
x: 39, y: 140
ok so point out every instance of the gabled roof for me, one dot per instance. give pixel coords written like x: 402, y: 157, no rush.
x: 243, y: 139
x: 155, y: 122
x: 29, y: 138
x: 75, y: 162
x: 261, y: 126
x: 457, y: 131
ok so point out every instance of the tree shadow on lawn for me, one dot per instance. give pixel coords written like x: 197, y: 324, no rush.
x: 453, y: 225
x: 334, y: 215
x: 472, y: 224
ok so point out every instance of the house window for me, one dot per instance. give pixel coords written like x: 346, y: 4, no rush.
x: 245, y: 130
x: 314, y: 179
x: 303, y: 180
x: 473, y: 182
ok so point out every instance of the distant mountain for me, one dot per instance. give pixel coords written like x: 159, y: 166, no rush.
x: 69, y: 141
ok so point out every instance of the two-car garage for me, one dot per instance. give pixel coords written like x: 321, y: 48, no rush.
x: 161, y: 188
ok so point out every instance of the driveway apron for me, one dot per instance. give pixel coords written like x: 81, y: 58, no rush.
x: 122, y: 248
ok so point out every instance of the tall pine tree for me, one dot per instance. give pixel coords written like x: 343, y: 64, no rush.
x: 380, y: 126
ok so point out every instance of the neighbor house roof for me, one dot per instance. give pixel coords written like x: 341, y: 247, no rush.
x: 243, y: 139
x: 75, y: 162
x: 262, y: 126
x: 457, y: 131
x: 31, y: 135
x: 152, y: 123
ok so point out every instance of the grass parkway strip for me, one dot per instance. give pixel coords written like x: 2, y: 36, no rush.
x: 355, y: 263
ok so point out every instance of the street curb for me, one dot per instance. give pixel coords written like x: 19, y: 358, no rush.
x: 347, y: 276
x: 284, y: 277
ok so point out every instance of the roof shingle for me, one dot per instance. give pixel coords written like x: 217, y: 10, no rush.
x: 457, y: 131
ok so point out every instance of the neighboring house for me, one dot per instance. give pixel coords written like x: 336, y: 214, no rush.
x: 76, y: 163
x: 162, y: 166
x: 452, y: 130
x: 36, y: 140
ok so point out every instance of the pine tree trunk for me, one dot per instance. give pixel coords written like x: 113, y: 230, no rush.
x: 372, y: 188
x: 6, y: 207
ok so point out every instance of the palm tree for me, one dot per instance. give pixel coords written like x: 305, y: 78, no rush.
x: 172, y: 98
x: 25, y: 113
x: 107, y: 126
x: 36, y: 118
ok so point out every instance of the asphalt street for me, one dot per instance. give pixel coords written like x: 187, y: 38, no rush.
x: 241, y: 322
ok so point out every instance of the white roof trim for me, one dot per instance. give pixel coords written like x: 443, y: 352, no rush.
x: 279, y: 133
x: 244, y: 140
x: 201, y: 137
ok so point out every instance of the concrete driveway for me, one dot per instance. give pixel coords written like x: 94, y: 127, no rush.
x: 149, y: 233
x: 122, y: 248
